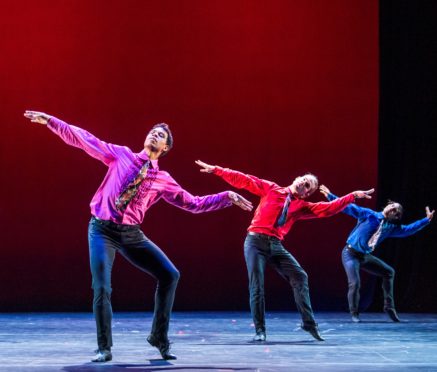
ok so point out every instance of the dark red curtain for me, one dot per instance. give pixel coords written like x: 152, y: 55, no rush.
x: 273, y: 89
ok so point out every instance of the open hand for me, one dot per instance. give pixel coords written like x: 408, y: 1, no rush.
x: 205, y: 168
x: 239, y: 201
x: 429, y: 214
x: 324, y: 190
x: 37, y: 117
x: 364, y: 194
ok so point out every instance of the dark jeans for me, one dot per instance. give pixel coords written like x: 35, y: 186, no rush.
x: 105, y: 240
x: 260, y: 250
x: 353, y: 261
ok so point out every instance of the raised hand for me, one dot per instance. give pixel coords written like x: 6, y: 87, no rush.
x: 363, y: 194
x: 37, y: 117
x: 429, y: 214
x: 239, y: 201
x: 205, y: 168
x: 324, y: 190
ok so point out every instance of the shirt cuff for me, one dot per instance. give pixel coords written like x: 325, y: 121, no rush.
x: 226, y: 198
x: 52, y: 122
x: 351, y: 198
x: 218, y: 170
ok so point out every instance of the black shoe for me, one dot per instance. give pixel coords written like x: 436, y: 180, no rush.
x: 392, y: 314
x: 260, y: 336
x: 313, y: 331
x: 355, y: 317
x: 163, y: 346
x: 102, y: 356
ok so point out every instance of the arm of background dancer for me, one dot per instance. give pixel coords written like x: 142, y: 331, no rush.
x: 237, y: 179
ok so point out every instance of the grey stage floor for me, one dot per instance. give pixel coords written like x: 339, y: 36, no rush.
x: 220, y: 341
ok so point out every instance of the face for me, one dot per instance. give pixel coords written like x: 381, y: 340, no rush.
x: 393, y: 212
x: 304, y: 186
x: 156, y: 140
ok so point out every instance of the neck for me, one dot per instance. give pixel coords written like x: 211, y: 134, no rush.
x: 153, y: 155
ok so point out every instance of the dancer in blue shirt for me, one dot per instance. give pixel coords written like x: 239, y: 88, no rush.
x: 371, y: 229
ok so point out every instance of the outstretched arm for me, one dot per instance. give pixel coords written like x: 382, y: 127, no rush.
x: 352, y: 209
x: 237, y: 179
x: 75, y: 136
x: 176, y: 195
x: 327, y: 209
x: 407, y: 230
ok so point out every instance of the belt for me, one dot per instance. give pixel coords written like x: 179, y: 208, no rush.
x: 114, y: 225
x: 264, y: 236
x: 354, y: 251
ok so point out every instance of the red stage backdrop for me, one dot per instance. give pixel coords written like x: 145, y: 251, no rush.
x: 271, y: 88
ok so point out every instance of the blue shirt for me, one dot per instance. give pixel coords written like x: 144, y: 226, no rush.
x: 368, y: 223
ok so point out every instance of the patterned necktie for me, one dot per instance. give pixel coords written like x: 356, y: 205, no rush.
x: 132, y: 188
x: 375, y: 237
x: 283, y: 217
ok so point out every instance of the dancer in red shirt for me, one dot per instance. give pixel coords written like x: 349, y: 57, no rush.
x: 279, y: 208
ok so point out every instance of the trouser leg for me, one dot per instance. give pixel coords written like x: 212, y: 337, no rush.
x: 255, y: 251
x: 378, y: 267
x: 148, y: 257
x: 288, y: 267
x: 351, y: 265
x: 102, y: 251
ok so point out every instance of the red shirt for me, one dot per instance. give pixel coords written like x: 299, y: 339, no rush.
x: 272, y: 202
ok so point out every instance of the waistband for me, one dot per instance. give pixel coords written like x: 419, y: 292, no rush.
x: 263, y: 236
x: 352, y: 250
x: 114, y: 225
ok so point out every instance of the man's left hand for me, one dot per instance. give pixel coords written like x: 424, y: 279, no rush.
x: 429, y: 214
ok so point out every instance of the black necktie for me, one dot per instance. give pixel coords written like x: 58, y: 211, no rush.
x: 283, y: 217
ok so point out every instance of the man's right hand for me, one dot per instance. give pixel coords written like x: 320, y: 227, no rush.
x: 239, y: 201
x: 363, y: 194
x: 37, y: 117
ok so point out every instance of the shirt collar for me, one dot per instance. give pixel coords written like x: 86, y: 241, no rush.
x: 380, y: 215
x: 385, y: 221
x: 288, y: 192
x: 143, y: 155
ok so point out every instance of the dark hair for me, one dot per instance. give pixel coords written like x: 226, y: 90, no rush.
x: 400, y: 209
x: 169, y: 143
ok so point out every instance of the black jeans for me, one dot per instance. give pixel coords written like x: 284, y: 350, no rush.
x: 259, y: 250
x: 105, y: 240
x: 353, y: 261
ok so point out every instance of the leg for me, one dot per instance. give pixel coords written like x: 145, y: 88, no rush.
x: 378, y: 267
x: 288, y: 267
x: 147, y: 256
x: 351, y: 265
x: 102, y: 250
x: 256, y: 250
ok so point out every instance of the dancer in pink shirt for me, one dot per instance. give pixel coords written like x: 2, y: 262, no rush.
x: 131, y: 186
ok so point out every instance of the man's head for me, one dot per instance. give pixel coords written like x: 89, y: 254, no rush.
x: 393, y: 211
x: 159, y: 140
x: 304, y: 186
